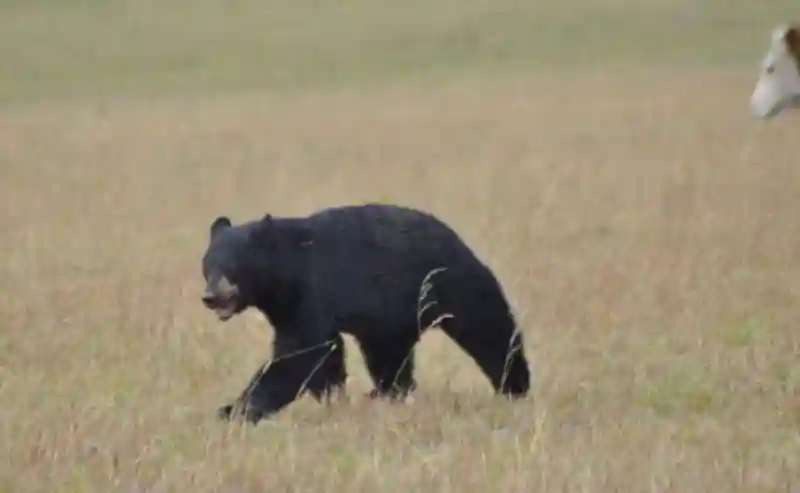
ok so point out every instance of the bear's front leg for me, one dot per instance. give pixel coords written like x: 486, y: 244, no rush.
x: 238, y: 407
x: 225, y: 412
x: 297, y: 362
x: 329, y: 380
x: 248, y: 413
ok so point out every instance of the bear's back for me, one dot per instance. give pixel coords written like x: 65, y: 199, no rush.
x: 389, y: 230
x: 368, y: 262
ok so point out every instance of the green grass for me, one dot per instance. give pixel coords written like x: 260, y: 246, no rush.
x: 93, y: 48
x: 598, y: 155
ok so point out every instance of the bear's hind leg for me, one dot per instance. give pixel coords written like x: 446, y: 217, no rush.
x: 496, y: 348
x: 391, y: 365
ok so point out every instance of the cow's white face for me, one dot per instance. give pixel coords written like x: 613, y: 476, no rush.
x: 778, y: 85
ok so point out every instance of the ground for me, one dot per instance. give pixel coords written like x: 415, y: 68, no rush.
x: 601, y: 159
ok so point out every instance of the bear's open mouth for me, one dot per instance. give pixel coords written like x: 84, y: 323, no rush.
x: 225, y: 301
x: 224, y: 307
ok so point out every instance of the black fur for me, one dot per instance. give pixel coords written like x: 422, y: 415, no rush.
x: 357, y: 270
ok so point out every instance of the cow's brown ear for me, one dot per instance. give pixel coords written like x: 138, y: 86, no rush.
x: 792, y: 40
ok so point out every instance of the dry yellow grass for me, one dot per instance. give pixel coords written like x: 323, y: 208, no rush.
x: 644, y: 227
x: 641, y: 223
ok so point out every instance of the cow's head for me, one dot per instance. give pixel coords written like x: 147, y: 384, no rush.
x: 778, y: 85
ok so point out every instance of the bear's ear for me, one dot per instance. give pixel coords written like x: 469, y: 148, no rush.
x: 220, y: 223
x: 260, y: 231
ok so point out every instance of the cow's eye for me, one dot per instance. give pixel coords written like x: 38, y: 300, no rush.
x: 770, y: 69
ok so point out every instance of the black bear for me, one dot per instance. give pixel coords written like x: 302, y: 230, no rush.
x: 382, y: 273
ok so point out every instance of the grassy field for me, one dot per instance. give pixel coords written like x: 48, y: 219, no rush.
x: 598, y: 155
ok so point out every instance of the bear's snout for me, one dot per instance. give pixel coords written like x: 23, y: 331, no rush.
x: 222, y: 297
x: 209, y: 300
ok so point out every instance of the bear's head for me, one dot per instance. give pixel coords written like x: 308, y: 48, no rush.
x: 230, y: 262
x: 222, y: 266
x: 252, y: 264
